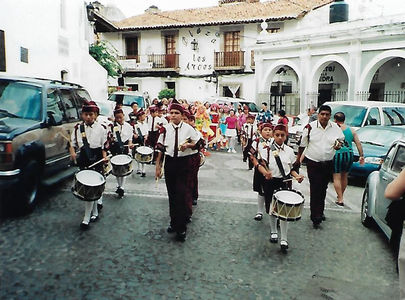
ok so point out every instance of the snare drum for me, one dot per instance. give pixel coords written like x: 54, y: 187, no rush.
x: 144, y: 154
x: 88, y: 185
x: 287, y: 205
x: 121, y: 165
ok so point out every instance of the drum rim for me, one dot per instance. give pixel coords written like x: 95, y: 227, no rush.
x: 121, y: 164
x: 90, y: 185
x: 144, y: 147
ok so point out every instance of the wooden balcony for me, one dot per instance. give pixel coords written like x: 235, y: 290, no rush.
x: 150, y: 63
x: 229, y: 60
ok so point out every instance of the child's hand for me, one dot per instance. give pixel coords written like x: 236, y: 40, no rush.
x: 299, y: 178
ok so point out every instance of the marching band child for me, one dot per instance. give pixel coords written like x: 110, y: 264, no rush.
x: 120, y: 136
x: 272, y: 177
x: 153, y: 128
x: 140, y: 136
x: 91, y: 138
x: 248, y: 132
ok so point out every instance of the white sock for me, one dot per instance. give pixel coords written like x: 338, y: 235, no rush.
x: 121, y: 181
x: 100, y: 201
x: 139, y: 167
x: 143, y: 168
x: 260, y: 204
x: 88, y: 208
x: 283, y: 229
x: 273, y: 224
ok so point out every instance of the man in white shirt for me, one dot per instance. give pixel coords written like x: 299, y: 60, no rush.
x: 177, y: 141
x: 320, y: 138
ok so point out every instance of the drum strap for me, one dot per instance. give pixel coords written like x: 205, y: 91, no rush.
x: 140, y: 135
x: 118, y: 136
x: 86, y: 144
x: 278, y: 162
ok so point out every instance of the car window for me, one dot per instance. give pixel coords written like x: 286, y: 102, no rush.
x: 69, y: 105
x: 127, y: 100
x: 373, y: 117
x: 394, y: 115
x: 399, y: 160
x: 252, y: 106
x: 54, y: 105
x: 387, y: 159
x: 354, y: 114
x: 20, y: 100
x: 378, y: 137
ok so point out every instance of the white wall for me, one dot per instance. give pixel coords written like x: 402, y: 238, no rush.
x: 36, y: 25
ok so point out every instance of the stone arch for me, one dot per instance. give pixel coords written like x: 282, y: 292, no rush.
x: 274, y: 67
x: 320, y: 66
x: 372, y: 67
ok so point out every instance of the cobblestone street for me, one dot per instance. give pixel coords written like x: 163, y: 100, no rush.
x: 127, y: 254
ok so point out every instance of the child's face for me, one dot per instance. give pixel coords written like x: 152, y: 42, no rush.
x: 266, y: 133
x: 142, y: 117
x: 191, y: 122
x: 119, y: 118
x: 232, y: 113
x: 249, y: 120
x: 185, y: 119
x: 135, y: 107
x: 89, y: 117
x: 279, y: 136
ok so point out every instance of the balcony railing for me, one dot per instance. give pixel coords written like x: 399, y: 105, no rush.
x: 229, y: 60
x: 386, y: 96
x: 150, y: 62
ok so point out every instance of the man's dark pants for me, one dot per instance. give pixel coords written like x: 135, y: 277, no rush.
x: 319, y: 174
x: 176, y: 172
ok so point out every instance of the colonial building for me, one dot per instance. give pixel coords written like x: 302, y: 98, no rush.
x: 50, y: 39
x: 360, y: 57
x: 200, y: 52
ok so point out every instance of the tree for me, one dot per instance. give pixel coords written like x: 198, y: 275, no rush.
x: 106, y: 55
x: 166, y: 93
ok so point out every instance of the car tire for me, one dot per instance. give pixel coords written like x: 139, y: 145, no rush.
x: 366, y: 220
x: 27, y: 190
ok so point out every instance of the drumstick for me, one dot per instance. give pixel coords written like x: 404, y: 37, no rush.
x: 70, y: 143
x: 97, y: 162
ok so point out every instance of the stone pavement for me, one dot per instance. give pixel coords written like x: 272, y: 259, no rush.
x: 127, y: 254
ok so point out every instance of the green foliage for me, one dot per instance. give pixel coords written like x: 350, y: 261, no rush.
x: 166, y: 93
x: 106, y: 56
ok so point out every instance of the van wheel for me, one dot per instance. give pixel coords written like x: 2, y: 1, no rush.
x: 366, y: 220
x: 27, y: 189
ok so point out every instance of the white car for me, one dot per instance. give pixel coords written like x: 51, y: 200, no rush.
x: 127, y: 98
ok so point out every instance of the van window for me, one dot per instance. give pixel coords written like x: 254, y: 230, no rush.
x: 20, y: 100
x: 394, y: 115
x: 54, y: 105
x: 373, y: 117
x: 354, y: 114
x: 399, y: 160
x: 128, y: 99
x: 252, y: 107
x: 69, y: 105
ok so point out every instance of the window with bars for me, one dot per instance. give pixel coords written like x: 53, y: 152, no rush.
x: 232, y: 41
x: 131, y: 45
x: 170, y: 44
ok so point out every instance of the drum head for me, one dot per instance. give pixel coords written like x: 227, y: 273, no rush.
x: 90, y: 178
x: 121, y: 159
x: 144, y: 150
x: 289, y: 197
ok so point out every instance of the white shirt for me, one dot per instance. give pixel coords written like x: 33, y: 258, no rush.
x: 286, y: 154
x: 126, y: 131
x: 96, y: 135
x: 153, y: 121
x: 185, y: 132
x: 321, y: 141
x: 143, y: 127
x: 249, y: 130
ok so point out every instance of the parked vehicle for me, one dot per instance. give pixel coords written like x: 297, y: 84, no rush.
x: 37, y: 117
x: 358, y: 114
x: 374, y: 205
x: 376, y: 141
x: 106, y: 112
x: 127, y: 98
x: 253, y: 108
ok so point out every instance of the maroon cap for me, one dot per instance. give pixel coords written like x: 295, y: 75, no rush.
x: 249, y: 116
x: 90, y: 106
x: 118, y: 110
x: 153, y: 108
x: 281, y: 127
x: 177, y: 106
x: 264, y: 125
x: 140, y: 112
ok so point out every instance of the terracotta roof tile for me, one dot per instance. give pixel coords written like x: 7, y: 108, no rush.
x: 226, y: 14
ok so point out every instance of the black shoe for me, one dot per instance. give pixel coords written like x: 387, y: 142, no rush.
x: 143, y: 175
x: 99, y: 207
x: 258, y: 217
x: 181, y: 236
x: 188, y: 220
x: 170, y: 229
x: 323, y: 218
x: 284, y: 246
x: 194, y: 202
x: 84, y: 226
x: 316, y: 225
x: 120, y: 192
x: 138, y: 172
x: 93, y: 218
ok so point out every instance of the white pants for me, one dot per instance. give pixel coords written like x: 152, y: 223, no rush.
x: 260, y: 204
x: 90, y: 209
x: 401, y: 267
x: 120, y: 181
x: 283, y: 227
x: 141, y: 167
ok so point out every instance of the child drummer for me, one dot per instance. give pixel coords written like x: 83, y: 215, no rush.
x: 269, y: 177
x: 248, y: 133
x: 91, y: 138
x: 120, y: 136
x: 140, y: 136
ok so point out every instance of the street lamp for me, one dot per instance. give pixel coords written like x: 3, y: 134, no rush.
x: 194, y: 44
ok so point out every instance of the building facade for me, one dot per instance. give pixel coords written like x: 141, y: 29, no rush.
x: 50, y: 39
x: 199, y: 52
x: 360, y: 59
